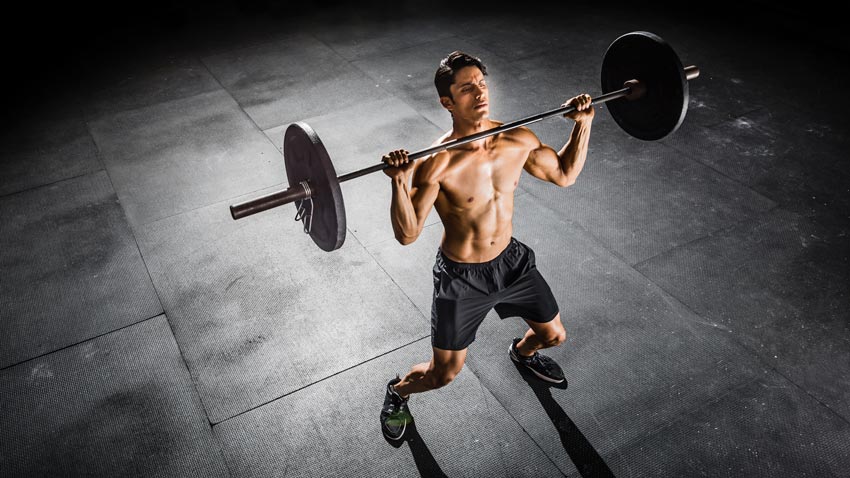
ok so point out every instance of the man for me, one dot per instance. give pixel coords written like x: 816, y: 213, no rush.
x: 479, y: 264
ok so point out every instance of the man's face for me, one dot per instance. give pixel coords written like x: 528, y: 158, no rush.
x: 469, y: 95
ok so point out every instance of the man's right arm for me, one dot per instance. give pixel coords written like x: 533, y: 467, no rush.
x: 410, y: 203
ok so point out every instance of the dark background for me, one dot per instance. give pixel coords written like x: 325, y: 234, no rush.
x: 50, y: 47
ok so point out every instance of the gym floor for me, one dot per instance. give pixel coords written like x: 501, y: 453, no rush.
x: 702, y: 279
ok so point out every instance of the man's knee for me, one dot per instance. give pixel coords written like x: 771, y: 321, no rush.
x: 557, y: 337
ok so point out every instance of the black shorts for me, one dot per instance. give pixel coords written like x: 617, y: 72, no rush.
x: 465, y: 292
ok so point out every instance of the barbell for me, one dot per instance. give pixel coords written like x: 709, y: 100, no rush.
x: 639, y: 67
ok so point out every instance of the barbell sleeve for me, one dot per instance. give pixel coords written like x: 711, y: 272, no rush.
x: 275, y: 199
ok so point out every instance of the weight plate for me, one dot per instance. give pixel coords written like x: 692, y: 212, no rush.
x: 307, y: 159
x: 647, y: 58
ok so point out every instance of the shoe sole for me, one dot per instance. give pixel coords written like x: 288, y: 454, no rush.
x: 535, y: 372
x: 399, y: 437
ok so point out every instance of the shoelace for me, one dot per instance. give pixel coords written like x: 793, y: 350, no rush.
x: 396, y: 404
x: 537, y: 361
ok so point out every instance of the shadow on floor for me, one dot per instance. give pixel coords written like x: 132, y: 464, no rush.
x: 425, y: 462
x: 581, y: 452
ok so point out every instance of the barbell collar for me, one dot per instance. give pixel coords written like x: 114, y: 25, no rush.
x: 691, y: 72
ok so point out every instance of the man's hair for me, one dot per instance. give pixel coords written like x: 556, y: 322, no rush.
x: 445, y: 76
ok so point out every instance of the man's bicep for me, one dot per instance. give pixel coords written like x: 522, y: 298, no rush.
x: 423, y: 192
x: 543, y: 163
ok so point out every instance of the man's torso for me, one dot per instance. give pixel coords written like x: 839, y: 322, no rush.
x: 476, y: 196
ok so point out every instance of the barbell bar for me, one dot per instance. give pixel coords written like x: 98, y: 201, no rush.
x: 638, y: 66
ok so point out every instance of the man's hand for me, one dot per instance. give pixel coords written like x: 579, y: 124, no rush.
x: 399, y: 164
x: 583, y: 112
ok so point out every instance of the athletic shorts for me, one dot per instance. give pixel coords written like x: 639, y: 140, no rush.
x: 465, y: 292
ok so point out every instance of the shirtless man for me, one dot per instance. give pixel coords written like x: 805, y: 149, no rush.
x: 479, y: 264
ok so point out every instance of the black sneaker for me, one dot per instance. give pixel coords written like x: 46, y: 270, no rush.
x: 394, y: 415
x: 542, y: 366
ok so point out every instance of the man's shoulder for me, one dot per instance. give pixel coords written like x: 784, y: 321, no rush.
x: 522, y: 134
x: 431, y: 168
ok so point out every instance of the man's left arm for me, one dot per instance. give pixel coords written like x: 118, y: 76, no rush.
x: 563, y: 167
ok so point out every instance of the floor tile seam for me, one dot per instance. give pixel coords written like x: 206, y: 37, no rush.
x: 238, y: 104
x: 139, y: 225
x: 136, y: 242
x: 384, y: 52
x: 203, y: 206
x: 274, y: 188
x: 526, y: 56
x: 93, y: 118
x: 389, y: 92
x: 795, y: 160
x: 471, y: 368
x: 692, y: 314
x: 95, y: 337
x: 53, y: 183
x: 217, y: 440
x: 738, y: 182
x: 398, y: 286
x: 614, y: 449
x: 682, y: 416
x: 193, y: 54
x: 709, y: 235
x: 269, y: 40
x: 810, y: 394
x: 180, y: 351
x: 165, y: 269
x: 484, y: 391
x: 541, y: 52
x: 389, y: 239
x: 744, y: 347
x: 687, y: 154
x: 616, y: 254
x: 278, y: 186
x: 215, y: 424
x: 385, y: 240
x: 574, y: 223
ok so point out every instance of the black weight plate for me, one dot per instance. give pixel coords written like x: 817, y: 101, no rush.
x: 647, y: 58
x: 307, y: 159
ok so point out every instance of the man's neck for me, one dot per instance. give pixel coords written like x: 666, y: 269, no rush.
x: 462, y: 128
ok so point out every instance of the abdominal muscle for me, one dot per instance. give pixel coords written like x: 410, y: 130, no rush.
x: 477, y: 234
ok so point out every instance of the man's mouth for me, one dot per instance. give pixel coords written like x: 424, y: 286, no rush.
x: 481, y: 105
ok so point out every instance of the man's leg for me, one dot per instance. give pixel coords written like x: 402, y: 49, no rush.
x: 539, y: 336
x: 439, y: 372
x: 542, y: 335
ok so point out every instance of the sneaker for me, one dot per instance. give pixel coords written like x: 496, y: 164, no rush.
x: 542, y: 366
x: 395, y: 415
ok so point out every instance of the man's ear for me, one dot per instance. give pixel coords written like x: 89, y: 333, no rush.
x: 447, y: 102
